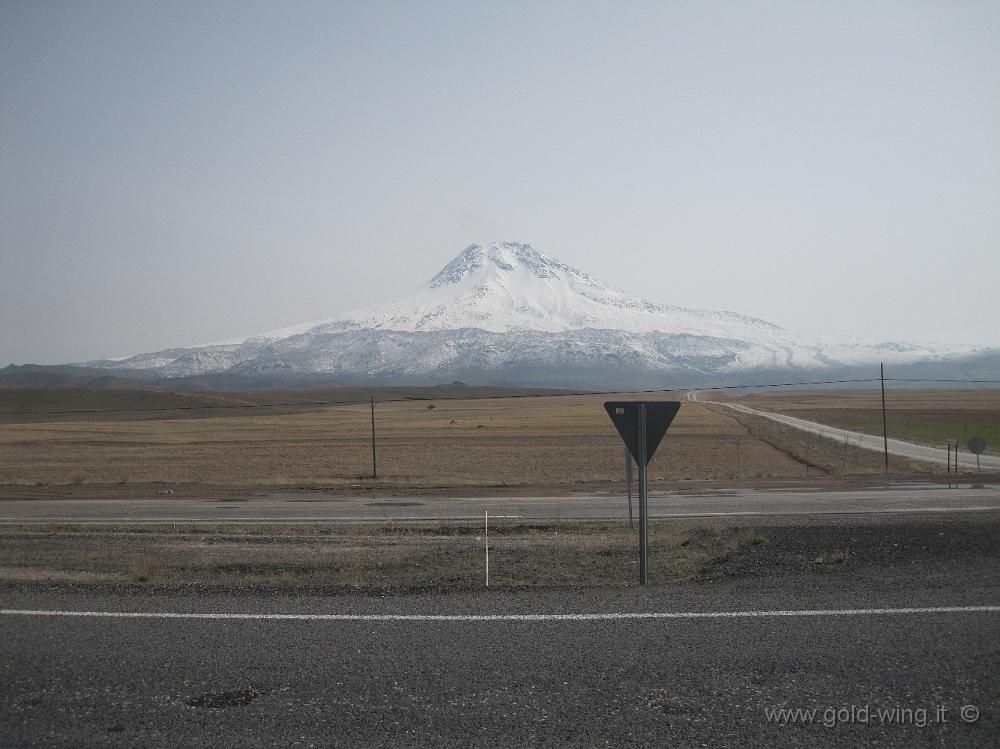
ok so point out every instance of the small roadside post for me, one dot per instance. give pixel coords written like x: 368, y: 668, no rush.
x: 641, y: 425
x: 977, y: 445
x: 952, y: 446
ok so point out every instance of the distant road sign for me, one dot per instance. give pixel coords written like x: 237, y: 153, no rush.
x: 952, y: 446
x: 625, y: 415
x: 977, y: 445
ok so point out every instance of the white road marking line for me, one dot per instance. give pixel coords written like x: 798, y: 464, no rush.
x: 435, y: 518
x: 609, y: 616
x: 237, y: 521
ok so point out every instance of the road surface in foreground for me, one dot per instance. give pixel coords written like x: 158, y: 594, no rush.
x: 314, y: 507
x: 900, y: 663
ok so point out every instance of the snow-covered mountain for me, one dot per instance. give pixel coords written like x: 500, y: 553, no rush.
x: 510, y: 286
x: 508, y: 313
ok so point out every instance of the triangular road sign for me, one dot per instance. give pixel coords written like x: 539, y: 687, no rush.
x: 625, y: 415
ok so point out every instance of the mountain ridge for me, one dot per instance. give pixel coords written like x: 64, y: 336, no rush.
x: 508, y: 308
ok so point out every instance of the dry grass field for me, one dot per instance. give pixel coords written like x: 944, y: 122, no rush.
x: 927, y: 417
x: 374, y: 557
x: 562, y: 442
x: 120, y: 443
x: 389, y: 557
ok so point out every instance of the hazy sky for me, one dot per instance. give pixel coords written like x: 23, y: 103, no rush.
x: 173, y: 173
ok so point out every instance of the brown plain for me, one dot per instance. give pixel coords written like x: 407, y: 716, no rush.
x: 562, y: 443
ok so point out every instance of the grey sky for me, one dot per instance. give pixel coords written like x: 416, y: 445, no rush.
x: 173, y: 173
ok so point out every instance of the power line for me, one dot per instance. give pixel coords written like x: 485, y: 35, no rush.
x: 507, y: 396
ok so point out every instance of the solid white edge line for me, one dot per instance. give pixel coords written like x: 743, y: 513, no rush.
x: 252, y: 519
x: 609, y: 616
x: 444, y: 518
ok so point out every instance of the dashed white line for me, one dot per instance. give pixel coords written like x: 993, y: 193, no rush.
x: 586, y: 617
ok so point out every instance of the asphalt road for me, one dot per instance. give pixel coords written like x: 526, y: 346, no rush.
x: 609, y: 680
x: 867, y: 441
x: 292, y: 507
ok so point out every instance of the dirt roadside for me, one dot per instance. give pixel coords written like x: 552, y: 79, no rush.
x: 397, y: 558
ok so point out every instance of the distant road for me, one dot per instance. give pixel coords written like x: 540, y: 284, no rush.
x: 319, y: 508
x: 866, y: 441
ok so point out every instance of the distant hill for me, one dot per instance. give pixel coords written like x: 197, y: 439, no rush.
x: 506, y: 314
x: 26, y: 404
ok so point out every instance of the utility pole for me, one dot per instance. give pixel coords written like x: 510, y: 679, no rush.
x: 885, y: 432
x: 374, y: 467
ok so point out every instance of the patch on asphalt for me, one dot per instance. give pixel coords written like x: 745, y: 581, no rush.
x: 217, y: 700
x: 667, y: 701
x: 390, y: 503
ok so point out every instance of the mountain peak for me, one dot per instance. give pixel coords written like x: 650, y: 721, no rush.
x: 507, y: 286
x: 511, y: 286
x: 498, y: 256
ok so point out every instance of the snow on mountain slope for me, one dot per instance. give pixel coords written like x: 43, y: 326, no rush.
x: 509, y: 308
x: 511, y: 286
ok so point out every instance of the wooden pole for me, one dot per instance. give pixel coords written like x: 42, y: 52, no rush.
x: 374, y: 465
x: 885, y: 432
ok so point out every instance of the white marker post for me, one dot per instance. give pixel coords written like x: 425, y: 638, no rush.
x: 487, y: 536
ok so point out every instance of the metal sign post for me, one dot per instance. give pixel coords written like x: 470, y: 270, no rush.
x: 952, y: 447
x: 643, y: 509
x: 628, y: 481
x: 642, y: 425
x: 977, y: 445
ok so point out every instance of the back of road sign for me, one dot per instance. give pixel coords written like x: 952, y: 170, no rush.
x: 625, y: 415
x: 977, y: 445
